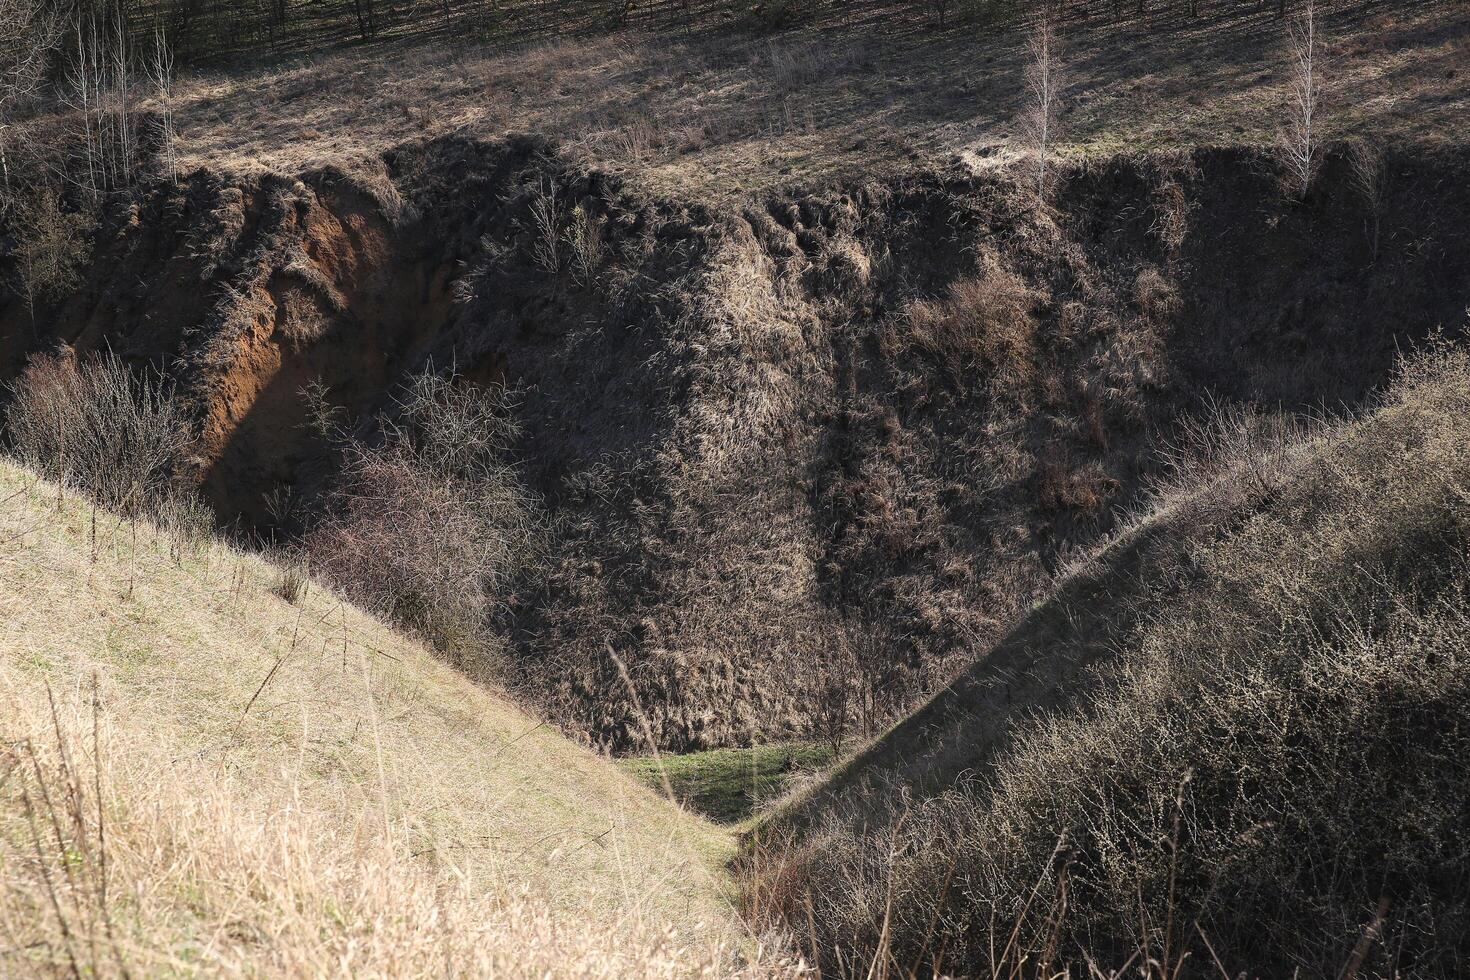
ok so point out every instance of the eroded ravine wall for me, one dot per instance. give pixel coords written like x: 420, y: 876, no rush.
x: 851, y: 431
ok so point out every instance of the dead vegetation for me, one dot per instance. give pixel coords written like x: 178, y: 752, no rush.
x: 431, y: 526
x: 725, y: 116
x: 91, y: 423
x: 1045, y: 81
x: 201, y: 777
x: 1301, y: 135
x: 983, y: 327
x: 814, y: 406
x: 881, y: 417
x: 52, y: 247
x: 1261, y: 756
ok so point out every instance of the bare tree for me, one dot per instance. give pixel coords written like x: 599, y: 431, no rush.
x: 1038, y: 123
x: 365, y: 12
x: 161, y: 76
x: 30, y: 32
x: 1371, y: 183
x: 1300, y: 138
x: 101, y: 88
x: 119, y: 65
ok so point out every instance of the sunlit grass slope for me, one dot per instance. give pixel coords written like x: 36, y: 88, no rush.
x: 198, y: 775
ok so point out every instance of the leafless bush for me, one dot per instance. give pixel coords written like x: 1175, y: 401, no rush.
x: 831, y: 699
x: 1228, y: 439
x: 1044, y: 82
x: 95, y: 425
x: 1300, y: 138
x: 432, y: 524
x: 1371, y: 183
x: 546, y: 228
x: 30, y: 31
x: 584, y: 239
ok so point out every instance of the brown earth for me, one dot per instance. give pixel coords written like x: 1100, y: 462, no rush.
x: 854, y: 430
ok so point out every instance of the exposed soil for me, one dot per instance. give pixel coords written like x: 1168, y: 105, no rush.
x: 858, y: 428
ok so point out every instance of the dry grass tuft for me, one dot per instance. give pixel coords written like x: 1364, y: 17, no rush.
x: 982, y: 326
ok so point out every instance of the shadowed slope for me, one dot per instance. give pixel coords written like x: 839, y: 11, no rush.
x: 1245, y: 720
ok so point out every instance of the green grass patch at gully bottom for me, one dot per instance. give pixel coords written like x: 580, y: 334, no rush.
x: 727, y: 784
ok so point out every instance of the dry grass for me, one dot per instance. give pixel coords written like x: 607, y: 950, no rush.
x: 729, y: 115
x: 1242, y: 734
x: 200, y: 777
x: 983, y: 326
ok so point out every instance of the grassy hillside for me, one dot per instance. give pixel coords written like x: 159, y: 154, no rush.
x: 730, y: 115
x: 1236, y: 732
x: 198, y: 775
x: 733, y: 375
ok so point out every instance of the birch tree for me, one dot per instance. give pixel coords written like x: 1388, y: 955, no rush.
x: 1044, y: 84
x: 161, y: 75
x: 1300, y: 138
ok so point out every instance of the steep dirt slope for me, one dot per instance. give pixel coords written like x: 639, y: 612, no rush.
x: 850, y: 432
x: 378, y: 795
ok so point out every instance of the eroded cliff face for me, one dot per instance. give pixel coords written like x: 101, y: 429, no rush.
x: 845, y: 433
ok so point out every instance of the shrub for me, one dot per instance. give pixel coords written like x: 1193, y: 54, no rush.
x: 52, y: 245
x: 983, y: 323
x: 584, y: 239
x: 431, y: 525
x: 93, y: 424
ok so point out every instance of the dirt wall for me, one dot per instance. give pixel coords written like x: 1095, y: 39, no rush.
x: 842, y: 433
